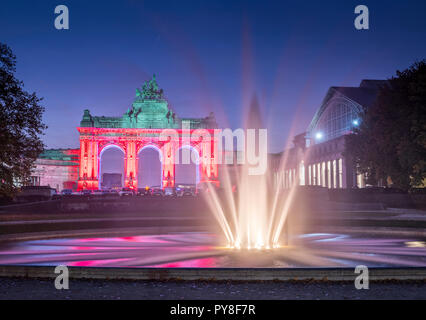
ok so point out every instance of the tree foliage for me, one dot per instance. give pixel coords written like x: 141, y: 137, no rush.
x: 20, y: 126
x: 391, y: 139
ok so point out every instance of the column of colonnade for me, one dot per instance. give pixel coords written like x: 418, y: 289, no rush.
x: 327, y: 173
x: 88, y: 170
x: 130, y: 165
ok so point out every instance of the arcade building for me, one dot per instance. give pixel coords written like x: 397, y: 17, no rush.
x: 131, y: 150
x: 317, y: 157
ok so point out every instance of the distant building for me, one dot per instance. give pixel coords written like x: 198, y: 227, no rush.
x: 317, y: 157
x: 57, y: 168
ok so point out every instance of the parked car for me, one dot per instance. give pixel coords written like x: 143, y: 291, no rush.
x: 66, y: 192
x: 157, y: 191
x: 205, y: 187
x: 144, y: 191
x: 114, y: 192
x: 97, y: 192
x: 125, y: 192
x: 86, y: 192
x: 184, y: 190
x: 169, y: 192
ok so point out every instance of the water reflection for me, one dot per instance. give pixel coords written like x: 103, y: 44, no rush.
x: 200, y: 250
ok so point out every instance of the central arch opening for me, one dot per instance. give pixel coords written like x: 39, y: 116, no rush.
x: 187, y: 166
x: 149, y: 167
x: 111, y: 167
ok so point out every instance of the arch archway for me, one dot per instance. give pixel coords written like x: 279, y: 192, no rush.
x: 187, y: 173
x: 150, y: 167
x: 111, y: 167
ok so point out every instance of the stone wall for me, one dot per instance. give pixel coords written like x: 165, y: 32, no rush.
x: 392, y: 200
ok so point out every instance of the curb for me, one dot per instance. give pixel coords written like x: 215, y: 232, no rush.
x: 216, y: 274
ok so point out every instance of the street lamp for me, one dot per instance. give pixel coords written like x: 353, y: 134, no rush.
x: 319, y: 136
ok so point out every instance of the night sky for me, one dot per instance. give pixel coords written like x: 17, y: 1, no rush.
x: 207, y: 55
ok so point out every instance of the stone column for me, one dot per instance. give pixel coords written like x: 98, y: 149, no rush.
x: 327, y: 183
x: 130, y: 165
x: 209, y: 169
x: 337, y: 174
x: 82, y: 175
x: 88, y: 176
x: 95, y: 164
x: 168, y: 154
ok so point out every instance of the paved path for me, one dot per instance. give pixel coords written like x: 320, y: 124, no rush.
x: 20, y: 288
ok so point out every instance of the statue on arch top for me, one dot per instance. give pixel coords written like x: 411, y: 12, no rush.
x: 153, y: 83
x: 150, y: 90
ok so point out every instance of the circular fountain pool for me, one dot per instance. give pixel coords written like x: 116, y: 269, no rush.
x: 201, y: 250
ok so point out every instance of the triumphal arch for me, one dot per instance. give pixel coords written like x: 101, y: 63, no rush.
x: 148, y: 123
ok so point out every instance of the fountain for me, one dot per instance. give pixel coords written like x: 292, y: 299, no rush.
x: 250, y: 210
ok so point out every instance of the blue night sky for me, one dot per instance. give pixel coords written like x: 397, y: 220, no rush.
x: 208, y: 56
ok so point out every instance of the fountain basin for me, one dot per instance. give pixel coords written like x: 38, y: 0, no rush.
x: 203, y: 250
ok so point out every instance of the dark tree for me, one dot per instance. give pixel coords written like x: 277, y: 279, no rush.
x: 20, y: 126
x: 391, y: 139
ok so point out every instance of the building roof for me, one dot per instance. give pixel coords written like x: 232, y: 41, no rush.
x: 362, y: 97
x: 67, y: 156
x: 373, y: 84
x: 365, y: 94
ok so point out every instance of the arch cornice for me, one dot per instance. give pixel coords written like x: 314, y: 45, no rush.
x: 103, y: 145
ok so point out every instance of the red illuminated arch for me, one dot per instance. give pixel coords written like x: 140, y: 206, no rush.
x: 131, y: 140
